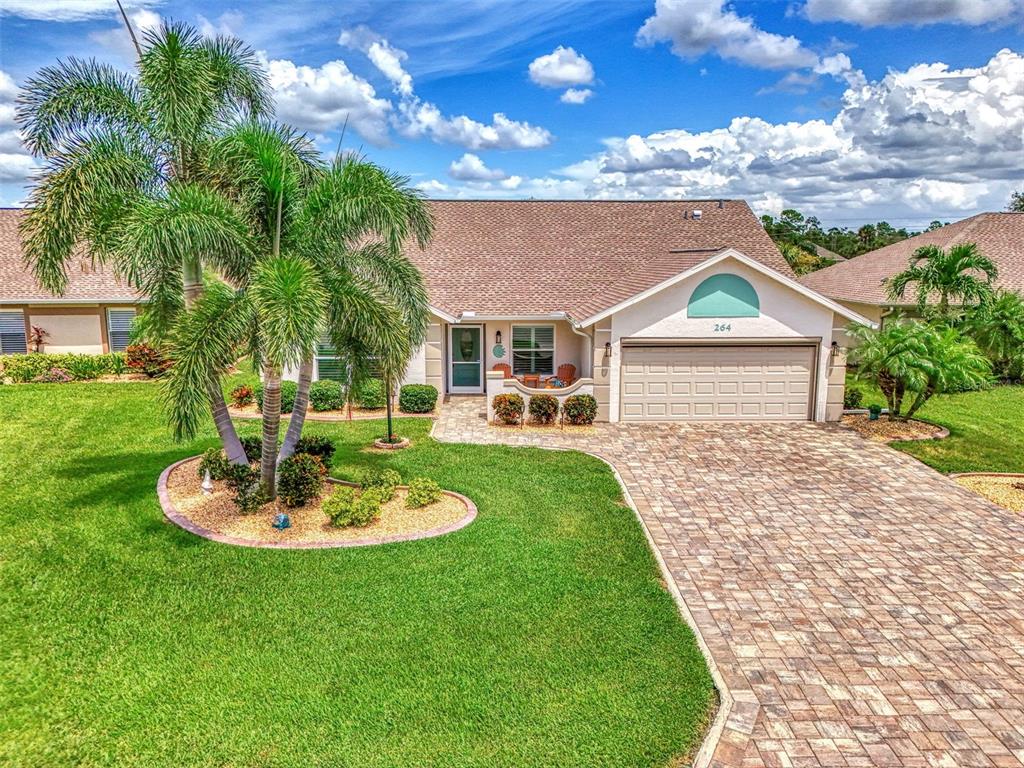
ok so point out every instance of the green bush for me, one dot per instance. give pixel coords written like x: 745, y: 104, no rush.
x: 317, y: 445
x: 326, y: 395
x: 383, y: 480
x: 508, y: 408
x: 300, y: 479
x: 580, y: 409
x: 25, y: 368
x: 417, y: 398
x: 288, y: 391
x: 370, y: 394
x: 253, y: 447
x: 242, y: 395
x: 422, y: 491
x: 53, y: 376
x: 347, y: 509
x: 216, y: 461
x: 543, y: 408
x: 852, y: 397
x: 245, y: 482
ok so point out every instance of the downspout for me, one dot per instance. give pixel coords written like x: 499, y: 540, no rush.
x: 590, y: 347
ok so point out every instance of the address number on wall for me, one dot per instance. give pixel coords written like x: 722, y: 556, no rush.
x: 723, y: 327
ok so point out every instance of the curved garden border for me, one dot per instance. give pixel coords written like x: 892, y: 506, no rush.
x: 182, y: 521
x: 942, y: 433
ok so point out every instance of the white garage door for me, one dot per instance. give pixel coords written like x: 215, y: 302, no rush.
x: 727, y: 383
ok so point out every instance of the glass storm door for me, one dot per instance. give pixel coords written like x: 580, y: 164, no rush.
x: 465, y: 351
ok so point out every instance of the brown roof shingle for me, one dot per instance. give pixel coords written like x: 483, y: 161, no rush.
x: 999, y: 236
x: 516, y: 257
x: 86, y: 282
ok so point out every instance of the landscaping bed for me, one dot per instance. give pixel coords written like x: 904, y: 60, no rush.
x: 1006, y: 490
x: 216, y: 517
x: 252, y: 412
x: 884, y: 430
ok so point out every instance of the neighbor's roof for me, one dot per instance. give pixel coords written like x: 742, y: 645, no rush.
x: 86, y: 282
x: 522, y: 257
x: 999, y: 236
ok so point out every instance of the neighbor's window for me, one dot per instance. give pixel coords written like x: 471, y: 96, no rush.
x: 119, y: 328
x: 533, y: 349
x: 328, y: 363
x: 12, y: 333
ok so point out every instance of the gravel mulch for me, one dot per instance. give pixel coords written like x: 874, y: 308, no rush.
x: 217, y: 513
x: 885, y: 431
x: 999, y: 489
x: 531, y: 428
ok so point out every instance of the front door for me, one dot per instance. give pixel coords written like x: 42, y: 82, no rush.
x: 465, y: 354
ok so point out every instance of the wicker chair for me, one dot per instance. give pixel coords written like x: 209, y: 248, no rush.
x: 505, y: 368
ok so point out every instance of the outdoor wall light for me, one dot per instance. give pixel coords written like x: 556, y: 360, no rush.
x: 497, y: 337
x: 835, y: 348
x: 607, y: 349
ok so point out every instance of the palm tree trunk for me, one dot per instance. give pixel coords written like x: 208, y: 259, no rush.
x: 920, y: 400
x: 192, y: 277
x: 271, y: 429
x: 387, y: 396
x: 225, y: 427
x: 298, y: 419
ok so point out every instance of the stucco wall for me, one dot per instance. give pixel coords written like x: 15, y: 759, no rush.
x: 80, y: 328
x: 872, y: 312
x: 784, y: 314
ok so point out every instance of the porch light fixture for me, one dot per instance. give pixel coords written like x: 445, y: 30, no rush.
x: 497, y: 337
x: 607, y: 349
x: 835, y: 348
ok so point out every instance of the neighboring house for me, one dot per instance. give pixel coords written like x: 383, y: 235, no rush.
x: 94, y: 315
x: 824, y: 253
x: 859, y: 283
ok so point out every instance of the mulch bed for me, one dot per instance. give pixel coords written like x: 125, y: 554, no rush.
x: 885, y: 431
x: 216, y: 514
x: 532, y: 428
x: 1005, y: 490
x: 250, y: 412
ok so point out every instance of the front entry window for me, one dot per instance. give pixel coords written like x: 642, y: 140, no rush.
x: 533, y: 350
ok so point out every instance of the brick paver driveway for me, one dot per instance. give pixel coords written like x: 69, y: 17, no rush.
x: 860, y: 608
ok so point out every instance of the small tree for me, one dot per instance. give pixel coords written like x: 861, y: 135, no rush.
x: 911, y: 361
x: 997, y: 327
x: 961, y: 274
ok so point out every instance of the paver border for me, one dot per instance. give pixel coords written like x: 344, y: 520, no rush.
x: 179, y: 519
x: 726, y: 700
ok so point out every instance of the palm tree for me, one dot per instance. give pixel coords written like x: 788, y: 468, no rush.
x: 961, y: 274
x: 120, y: 147
x: 997, y: 327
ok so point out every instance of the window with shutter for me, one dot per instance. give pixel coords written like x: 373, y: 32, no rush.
x: 119, y: 328
x: 328, y: 363
x: 12, y: 333
x: 533, y: 349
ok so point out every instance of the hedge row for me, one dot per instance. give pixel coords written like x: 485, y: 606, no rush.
x: 24, y: 368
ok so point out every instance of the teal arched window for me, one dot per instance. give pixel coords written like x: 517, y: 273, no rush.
x: 724, y: 296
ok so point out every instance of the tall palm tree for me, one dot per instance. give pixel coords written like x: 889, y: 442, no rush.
x: 119, y: 146
x: 962, y: 275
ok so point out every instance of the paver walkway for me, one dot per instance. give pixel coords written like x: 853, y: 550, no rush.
x: 861, y: 609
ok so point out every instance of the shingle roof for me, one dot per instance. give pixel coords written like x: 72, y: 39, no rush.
x: 999, y: 236
x: 520, y: 257
x: 86, y: 282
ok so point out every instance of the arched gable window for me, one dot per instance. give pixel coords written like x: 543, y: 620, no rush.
x: 724, y: 295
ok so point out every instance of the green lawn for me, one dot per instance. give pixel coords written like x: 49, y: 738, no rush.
x: 986, y: 430
x: 538, y: 636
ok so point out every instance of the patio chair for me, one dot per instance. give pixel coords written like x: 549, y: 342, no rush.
x: 566, y: 374
x: 505, y: 368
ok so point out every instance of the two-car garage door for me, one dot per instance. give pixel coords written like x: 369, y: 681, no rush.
x: 717, y: 383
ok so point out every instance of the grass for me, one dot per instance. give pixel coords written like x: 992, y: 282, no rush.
x: 986, y: 430
x: 540, y: 635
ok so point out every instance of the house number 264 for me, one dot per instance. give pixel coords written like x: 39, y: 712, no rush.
x: 723, y: 327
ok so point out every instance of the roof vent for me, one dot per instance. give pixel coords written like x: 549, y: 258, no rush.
x: 697, y: 214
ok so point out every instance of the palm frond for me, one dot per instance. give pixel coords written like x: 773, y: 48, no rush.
x: 290, y: 302
x: 239, y: 79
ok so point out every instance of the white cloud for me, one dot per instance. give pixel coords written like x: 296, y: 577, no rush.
x: 16, y: 164
x: 118, y: 40
x: 876, y: 13
x: 68, y: 10
x: 322, y: 98
x: 228, y: 23
x: 470, y: 167
x: 421, y: 118
x: 385, y: 57
x: 560, y: 68
x: 576, y: 96
x: 697, y: 27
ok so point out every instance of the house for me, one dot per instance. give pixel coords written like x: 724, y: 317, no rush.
x: 859, y: 284
x: 666, y: 311
x: 93, y: 316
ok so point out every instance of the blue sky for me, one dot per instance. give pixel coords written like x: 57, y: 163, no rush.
x: 851, y: 111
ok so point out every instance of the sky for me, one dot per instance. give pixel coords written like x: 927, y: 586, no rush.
x: 849, y: 110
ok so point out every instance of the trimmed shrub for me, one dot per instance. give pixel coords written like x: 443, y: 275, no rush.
x: 300, y: 479
x: 245, y: 482
x: 146, y: 359
x: 317, y: 445
x: 216, y: 461
x: 422, y: 491
x: 253, y: 447
x: 326, y: 395
x: 580, y: 409
x: 242, y: 395
x: 543, y: 408
x: 25, y: 368
x: 53, y: 376
x: 852, y: 397
x: 370, y: 394
x: 417, y: 398
x: 508, y: 408
x: 288, y: 392
x: 383, y: 480
x: 347, y: 509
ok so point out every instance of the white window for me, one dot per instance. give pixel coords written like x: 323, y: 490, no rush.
x: 533, y: 349
x: 119, y: 328
x: 12, y: 333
